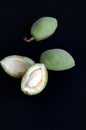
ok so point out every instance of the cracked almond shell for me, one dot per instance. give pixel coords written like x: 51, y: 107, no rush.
x: 35, y: 79
x: 16, y: 65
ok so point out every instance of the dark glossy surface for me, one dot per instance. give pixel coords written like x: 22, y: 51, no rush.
x: 61, y: 105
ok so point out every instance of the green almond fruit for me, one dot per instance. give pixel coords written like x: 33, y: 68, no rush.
x: 16, y: 65
x: 43, y: 28
x: 57, y: 59
x: 35, y: 79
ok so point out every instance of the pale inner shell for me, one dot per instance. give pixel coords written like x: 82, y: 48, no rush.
x: 17, y: 66
x: 35, y: 79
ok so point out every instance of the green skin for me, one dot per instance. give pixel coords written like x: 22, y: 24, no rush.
x: 57, y: 59
x: 18, y: 74
x: 42, y: 29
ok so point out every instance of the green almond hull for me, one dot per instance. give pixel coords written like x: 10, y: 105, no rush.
x: 57, y: 60
x: 43, y: 28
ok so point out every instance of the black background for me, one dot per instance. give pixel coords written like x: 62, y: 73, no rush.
x: 62, y: 105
